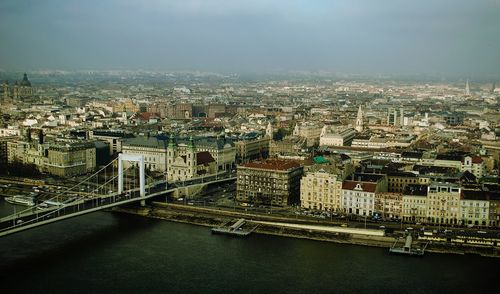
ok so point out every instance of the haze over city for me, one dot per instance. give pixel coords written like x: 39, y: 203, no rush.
x: 448, y: 37
x: 258, y: 146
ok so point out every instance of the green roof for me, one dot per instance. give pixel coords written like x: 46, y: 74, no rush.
x: 320, y: 160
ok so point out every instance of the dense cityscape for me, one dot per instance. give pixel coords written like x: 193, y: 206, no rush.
x: 417, y: 152
x: 229, y: 146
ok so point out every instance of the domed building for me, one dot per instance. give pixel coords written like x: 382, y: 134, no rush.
x: 22, y: 90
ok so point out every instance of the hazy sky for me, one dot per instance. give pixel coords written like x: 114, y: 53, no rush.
x: 357, y: 36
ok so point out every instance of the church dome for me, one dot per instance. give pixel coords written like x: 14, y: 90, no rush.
x: 25, y: 82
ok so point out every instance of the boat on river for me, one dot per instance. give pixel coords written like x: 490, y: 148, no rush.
x: 407, y: 249
x: 235, y: 229
x: 21, y: 200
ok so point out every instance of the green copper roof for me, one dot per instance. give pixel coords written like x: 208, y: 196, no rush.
x: 171, y: 141
x: 320, y: 160
x: 191, y: 143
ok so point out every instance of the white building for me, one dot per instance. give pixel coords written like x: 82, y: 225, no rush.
x: 375, y: 142
x: 358, y: 198
x: 310, y: 131
x: 474, y: 208
x: 338, y: 138
x: 154, y: 150
x: 222, y: 151
x: 474, y: 165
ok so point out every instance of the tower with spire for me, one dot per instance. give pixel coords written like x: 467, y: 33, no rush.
x: 269, y: 130
x: 191, y: 158
x: 182, y: 159
x: 171, y: 153
x: 359, y: 120
x: 467, y: 89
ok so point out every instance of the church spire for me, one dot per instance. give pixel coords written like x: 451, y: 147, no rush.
x: 171, y: 142
x: 269, y: 130
x: 359, y: 120
x: 191, y: 143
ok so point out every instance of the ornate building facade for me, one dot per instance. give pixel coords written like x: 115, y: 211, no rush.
x: 18, y: 91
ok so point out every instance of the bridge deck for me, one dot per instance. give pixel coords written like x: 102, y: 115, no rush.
x: 36, y: 217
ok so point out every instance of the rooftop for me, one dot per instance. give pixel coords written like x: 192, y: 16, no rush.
x: 203, y: 158
x: 273, y: 164
x: 149, y: 142
x: 453, y: 157
x: 474, y: 195
x: 367, y: 187
x: 368, y: 177
x: 412, y: 154
x: 320, y: 160
x: 415, y: 190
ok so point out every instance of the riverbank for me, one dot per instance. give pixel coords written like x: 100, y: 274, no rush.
x: 290, y: 227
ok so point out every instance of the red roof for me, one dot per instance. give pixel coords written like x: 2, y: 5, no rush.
x: 147, y: 115
x: 204, y: 157
x: 273, y: 164
x: 477, y: 159
x: 367, y: 187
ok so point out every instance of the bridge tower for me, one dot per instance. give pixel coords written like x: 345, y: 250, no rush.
x: 142, y: 178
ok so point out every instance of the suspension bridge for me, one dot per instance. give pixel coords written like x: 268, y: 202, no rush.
x: 105, y: 189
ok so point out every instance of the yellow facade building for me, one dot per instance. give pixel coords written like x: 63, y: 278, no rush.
x: 443, y: 203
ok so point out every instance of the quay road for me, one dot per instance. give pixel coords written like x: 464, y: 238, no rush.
x: 88, y: 201
x: 225, y: 200
x: 390, y: 228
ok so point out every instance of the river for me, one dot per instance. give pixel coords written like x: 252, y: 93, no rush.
x: 117, y: 253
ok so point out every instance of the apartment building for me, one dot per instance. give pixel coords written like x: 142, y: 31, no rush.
x: 414, y: 206
x: 269, y: 182
x: 443, y: 205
